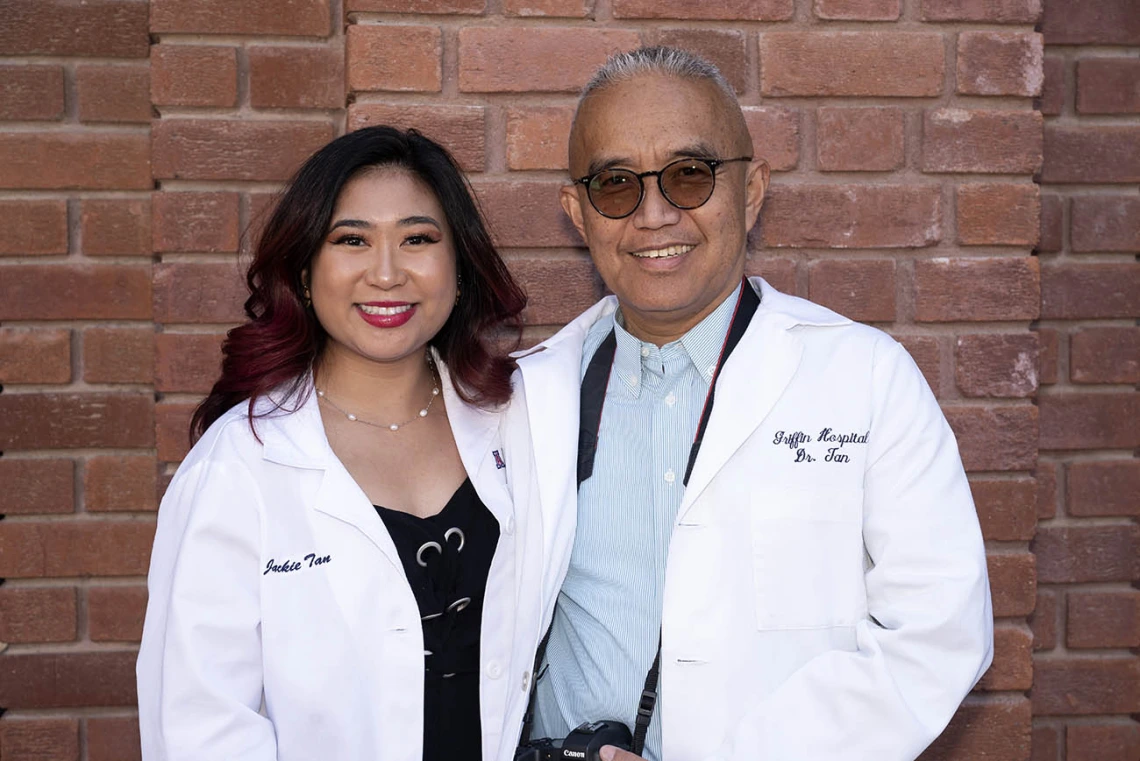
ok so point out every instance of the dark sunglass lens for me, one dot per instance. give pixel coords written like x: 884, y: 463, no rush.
x: 615, y: 192
x: 687, y: 184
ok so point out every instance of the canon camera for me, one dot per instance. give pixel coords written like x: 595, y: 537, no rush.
x: 582, y: 744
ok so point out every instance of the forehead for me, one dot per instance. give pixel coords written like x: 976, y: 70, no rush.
x: 387, y: 192
x: 647, y: 119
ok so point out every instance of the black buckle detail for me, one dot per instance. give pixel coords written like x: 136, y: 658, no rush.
x: 648, y: 701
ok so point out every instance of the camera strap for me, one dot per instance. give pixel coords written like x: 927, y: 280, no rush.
x: 595, y: 383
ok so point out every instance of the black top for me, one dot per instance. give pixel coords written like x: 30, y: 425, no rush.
x: 449, y: 578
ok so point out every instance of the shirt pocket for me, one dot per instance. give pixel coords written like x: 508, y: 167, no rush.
x: 807, y: 558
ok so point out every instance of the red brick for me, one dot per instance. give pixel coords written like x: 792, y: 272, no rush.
x: 1106, y: 223
x: 1000, y: 437
x: 1013, y: 583
x: 115, y: 614
x: 302, y: 18
x: 460, y: 129
x: 1087, y: 553
x: 447, y: 7
x: 199, y: 292
x: 31, y: 93
x: 998, y: 11
x: 1089, y: 291
x: 1078, y: 686
x: 885, y: 64
x: 75, y: 421
x: 560, y: 287
x: 775, y: 135
x: 39, y: 739
x: 1012, y: 667
x: 191, y: 362
x: 957, y: 140
x: 526, y: 214
x: 859, y: 139
x: 33, y: 227
x: 1103, y: 619
x: 1046, y: 475
x: 1093, y: 22
x: 852, y: 216
x: 68, y: 680
x: 1043, y: 621
x: 113, y: 738
x: 1090, y: 421
x: 115, y: 227
x: 1107, y: 487
x: 1051, y: 237
x: 1048, y: 357
x: 1103, y: 742
x: 95, y: 161
x: 780, y: 273
x: 35, y: 355
x: 173, y: 430
x: 725, y: 10
x: 999, y: 214
x: 208, y: 149
x: 1093, y: 154
x: 118, y: 355
x: 1053, y: 88
x: 1046, y: 743
x: 1108, y: 86
x: 113, y: 93
x: 93, y: 28
x: 858, y: 10
x: 927, y: 354
x: 994, y: 727
x: 75, y: 548
x: 537, y: 136
x: 976, y: 290
x: 75, y: 292
x: 46, y: 486
x: 195, y: 222
x: 295, y: 77
x: 193, y: 75
x: 1007, y: 508
x: 395, y: 58
x: 861, y: 289
x: 724, y: 48
x: 1000, y: 63
x: 563, y: 8
x: 995, y: 364
x: 518, y: 59
x: 37, y: 614
x: 1105, y: 355
x: 120, y: 482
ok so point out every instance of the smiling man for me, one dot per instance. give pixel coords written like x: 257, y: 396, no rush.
x: 765, y: 488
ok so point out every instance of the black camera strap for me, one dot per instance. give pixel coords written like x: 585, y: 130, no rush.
x: 593, y: 397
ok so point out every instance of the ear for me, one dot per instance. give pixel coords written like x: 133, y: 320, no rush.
x: 756, y: 185
x: 571, y: 200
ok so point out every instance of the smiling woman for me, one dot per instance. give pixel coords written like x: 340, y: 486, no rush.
x: 343, y: 567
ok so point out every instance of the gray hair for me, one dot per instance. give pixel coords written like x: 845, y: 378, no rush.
x: 657, y: 59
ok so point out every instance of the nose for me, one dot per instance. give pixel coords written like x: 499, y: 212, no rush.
x: 385, y: 269
x: 654, y: 212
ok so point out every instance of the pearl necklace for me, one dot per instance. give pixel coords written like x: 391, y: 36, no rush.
x: 391, y: 427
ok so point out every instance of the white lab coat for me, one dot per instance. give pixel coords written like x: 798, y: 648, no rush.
x: 815, y: 609
x: 324, y: 661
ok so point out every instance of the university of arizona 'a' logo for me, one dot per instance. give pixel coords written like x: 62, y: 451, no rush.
x: 499, y: 464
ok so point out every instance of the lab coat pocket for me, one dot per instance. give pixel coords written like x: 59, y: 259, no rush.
x: 807, y: 558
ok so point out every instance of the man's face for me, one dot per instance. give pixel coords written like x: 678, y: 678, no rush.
x: 669, y: 267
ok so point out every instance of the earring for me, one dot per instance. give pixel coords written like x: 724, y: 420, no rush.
x: 458, y: 288
x: 307, y: 296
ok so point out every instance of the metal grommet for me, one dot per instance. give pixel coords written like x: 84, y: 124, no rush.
x: 424, y: 546
x: 459, y: 604
x: 452, y: 532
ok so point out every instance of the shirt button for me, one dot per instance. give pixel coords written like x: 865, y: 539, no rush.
x: 633, y: 379
x: 670, y: 476
x: 710, y: 370
x: 671, y: 399
x: 494, y: 670
x: 526, y: 681
x: 645, y: 351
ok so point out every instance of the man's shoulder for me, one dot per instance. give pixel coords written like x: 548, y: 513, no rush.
x: 814, y: 322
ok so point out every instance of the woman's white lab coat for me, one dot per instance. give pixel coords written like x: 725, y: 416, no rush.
x: 281, y: 624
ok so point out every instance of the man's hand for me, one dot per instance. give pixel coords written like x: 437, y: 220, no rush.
x: 610, y: 753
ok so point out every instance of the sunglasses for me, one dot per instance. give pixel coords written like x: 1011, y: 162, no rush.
x: 685, y: 183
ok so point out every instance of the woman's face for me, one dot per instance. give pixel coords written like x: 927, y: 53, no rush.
x: 384, y: 281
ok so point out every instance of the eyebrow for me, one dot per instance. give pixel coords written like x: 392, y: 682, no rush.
x: 693, y: 150
x: 360, y: 224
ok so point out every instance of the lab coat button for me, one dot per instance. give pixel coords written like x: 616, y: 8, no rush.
x: 494, y: 670
x: 526, y: 681
x: 509, y: 529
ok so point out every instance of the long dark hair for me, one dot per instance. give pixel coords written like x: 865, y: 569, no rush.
x: 283, y: 338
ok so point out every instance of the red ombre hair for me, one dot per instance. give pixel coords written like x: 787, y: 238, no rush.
x: 283, y: 339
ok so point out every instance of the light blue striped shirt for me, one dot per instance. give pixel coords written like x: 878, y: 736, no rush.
x: 608, y: 619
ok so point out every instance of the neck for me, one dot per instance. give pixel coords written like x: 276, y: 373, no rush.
x: 379, y: 390
x: 661, y: 328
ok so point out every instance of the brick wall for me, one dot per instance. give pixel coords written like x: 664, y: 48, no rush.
x: 139, y: 142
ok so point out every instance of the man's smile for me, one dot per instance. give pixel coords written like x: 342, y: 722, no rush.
x: 663, y: 253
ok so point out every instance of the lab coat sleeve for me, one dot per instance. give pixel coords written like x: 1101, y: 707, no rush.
x: 929, y: 634
x: 200, y: 663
